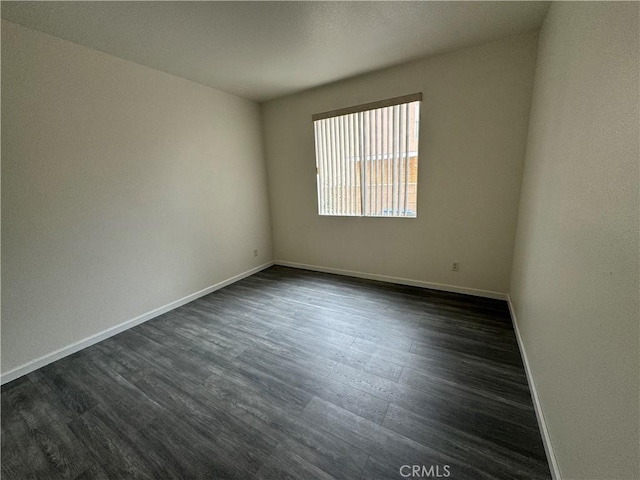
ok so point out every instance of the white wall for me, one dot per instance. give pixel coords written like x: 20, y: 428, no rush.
x: 123, y: 189
x: 575, y: 279
x: 473, y: 130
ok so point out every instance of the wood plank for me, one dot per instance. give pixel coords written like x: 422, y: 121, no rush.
x: 387, y: 446
x: 285, y: 465
x: 36, y: 442
x: 341, y: 394
x: 278, y: 421
x: 502, y: 455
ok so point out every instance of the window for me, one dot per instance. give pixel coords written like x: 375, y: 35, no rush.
x: 367, y: 159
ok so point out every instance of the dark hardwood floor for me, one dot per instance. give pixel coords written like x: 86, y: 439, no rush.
x: 287, y: 374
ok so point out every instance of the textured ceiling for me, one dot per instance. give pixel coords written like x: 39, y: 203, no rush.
x: 262, y: 50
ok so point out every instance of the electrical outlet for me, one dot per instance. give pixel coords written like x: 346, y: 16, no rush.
x: 455, y: 267
x: 255, y: 252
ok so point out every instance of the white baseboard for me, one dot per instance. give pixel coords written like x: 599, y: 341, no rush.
x: 402, y: 281
x: 98, y: 337
x: 546, y: 439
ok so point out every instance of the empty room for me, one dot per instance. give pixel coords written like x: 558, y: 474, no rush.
x: 320, y: 240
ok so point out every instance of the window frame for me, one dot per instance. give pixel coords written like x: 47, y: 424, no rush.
x: 367, y: 107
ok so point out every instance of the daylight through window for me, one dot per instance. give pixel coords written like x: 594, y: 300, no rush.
x: 367, y: 159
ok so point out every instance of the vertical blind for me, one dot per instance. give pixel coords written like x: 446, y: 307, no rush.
x: 367, y: 159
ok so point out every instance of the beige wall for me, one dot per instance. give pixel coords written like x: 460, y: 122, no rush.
x: 123, y: 189
x: 474, y: 113
x: 575, y: 276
